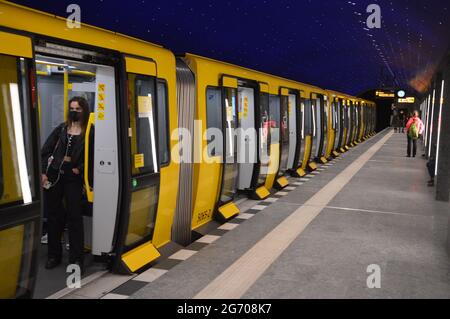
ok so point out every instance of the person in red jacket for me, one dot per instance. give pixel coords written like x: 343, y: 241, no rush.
x: 412, y: 139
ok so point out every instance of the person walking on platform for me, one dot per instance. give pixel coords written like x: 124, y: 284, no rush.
x: 391, y: 122
x: 414, y: 128
x: 395, y: 118
x: 402, y: 122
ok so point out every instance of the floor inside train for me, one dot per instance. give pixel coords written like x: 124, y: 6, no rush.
x: 52, y: 281
x: 317, y: 239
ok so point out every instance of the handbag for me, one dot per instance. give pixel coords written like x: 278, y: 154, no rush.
x: 53, y: 174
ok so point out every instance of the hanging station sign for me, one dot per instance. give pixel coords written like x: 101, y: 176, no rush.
x: 385, y: 94
x: 407, y: 100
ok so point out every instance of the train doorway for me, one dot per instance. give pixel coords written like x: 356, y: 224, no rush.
x: 58, y: 81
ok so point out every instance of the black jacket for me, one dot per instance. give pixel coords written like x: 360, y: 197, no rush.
x: 58, y: 150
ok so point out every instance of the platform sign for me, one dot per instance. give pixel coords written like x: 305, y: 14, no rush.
x: 407, y: 100
x: 385, y: 94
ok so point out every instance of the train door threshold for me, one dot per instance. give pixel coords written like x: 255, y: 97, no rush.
x: 96, y: 283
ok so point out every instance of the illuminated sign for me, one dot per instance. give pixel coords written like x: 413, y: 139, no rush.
x: 401, y: 94
x: 384, y: 94
x: 409, y: 100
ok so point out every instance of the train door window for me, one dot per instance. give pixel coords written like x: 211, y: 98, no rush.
x: 346, y: 118
x: 338, y: 122
x: 145, y: 162
x: 214, y: 121
x: 358, y: 116
x: 356, y: 127
x: 355, y: 117
x: 315, y: 128
x: 293, y: 114
x: 230, y: 166
x: 284, y: 132
x: 274, y: 119
x: 142, y: 117
x: 333, y: 115
x: 317, y: 114
x: 325, y: 114
x: 308, y: 123
x: 264, y: 136
x: 16, y: 153
x: 163, y: 122
x: 350, y: 123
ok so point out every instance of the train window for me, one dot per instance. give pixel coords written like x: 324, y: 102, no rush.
x: 231, y: 120
x: 274, y: 121
x: 230, y: 169
x: 346, y: 117
x: 334, y: 115
x: 284, y: 121
x: 214, y: 121
x: 264, y: 121
x: 308, y: 128
x: 142, y: 121
x: 264, y: 134
x: 163, y: 123
x: 15, y: 133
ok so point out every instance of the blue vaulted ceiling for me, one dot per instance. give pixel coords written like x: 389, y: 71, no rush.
x: 326, y: 43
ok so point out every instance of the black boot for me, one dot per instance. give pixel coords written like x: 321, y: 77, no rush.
x: 52, y: 263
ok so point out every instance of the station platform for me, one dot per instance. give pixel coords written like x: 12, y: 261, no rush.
x: 317, y: 238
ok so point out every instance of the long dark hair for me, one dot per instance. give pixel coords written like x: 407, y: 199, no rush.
x: 84, y: 118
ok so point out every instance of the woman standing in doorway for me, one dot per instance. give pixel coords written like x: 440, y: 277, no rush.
x: 62, y: 171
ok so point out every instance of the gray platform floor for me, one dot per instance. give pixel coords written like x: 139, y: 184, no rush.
x: 386, y: 215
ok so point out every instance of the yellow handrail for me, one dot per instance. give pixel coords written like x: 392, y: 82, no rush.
x: 89, y: 191
x: 66, y: 94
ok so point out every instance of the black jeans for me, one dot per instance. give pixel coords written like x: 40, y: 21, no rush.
x: 69, y: 188
x: 414, y: 146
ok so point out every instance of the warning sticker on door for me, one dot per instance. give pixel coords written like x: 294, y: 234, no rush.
x: 101, y: 102
x: 144, y: 105
x: 138, y: 160
x: 246, y: 107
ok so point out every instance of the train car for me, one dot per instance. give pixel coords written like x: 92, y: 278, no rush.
x: 339, y: 104
x: 230, y: 99
x: 131, y: 87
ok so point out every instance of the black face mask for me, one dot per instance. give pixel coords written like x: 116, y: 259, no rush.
x: 74, y: 116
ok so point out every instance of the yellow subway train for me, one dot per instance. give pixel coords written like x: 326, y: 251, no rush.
x: 160, y: 175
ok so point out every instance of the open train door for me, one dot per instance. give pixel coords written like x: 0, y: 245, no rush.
x: 20, y: 196
x: 140, y: 168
